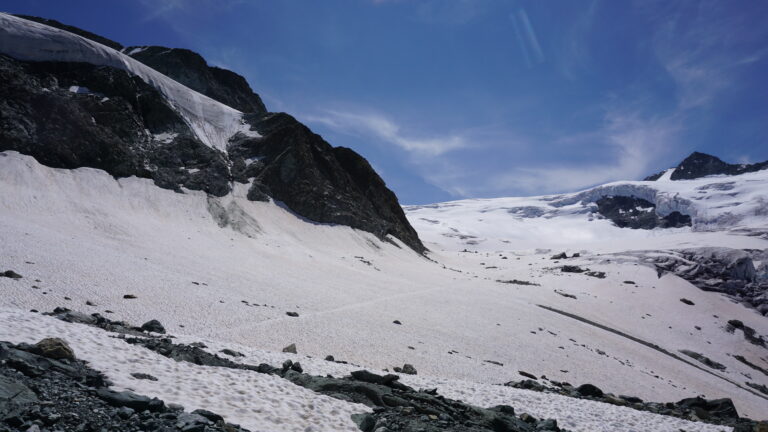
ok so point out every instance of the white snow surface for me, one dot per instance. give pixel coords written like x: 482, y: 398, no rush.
x: 262, y: 402
x: 83, y: 235
x: 213, y: 122
x: 716, y: 204
x: 256, y: 401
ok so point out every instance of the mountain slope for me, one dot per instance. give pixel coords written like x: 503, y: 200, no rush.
x: 94, y: 239
x: 71, y: 102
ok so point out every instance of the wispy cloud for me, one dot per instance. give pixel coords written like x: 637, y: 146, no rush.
x: 385, y: 129
x: 702, y: 46
x: 627, y: 146
x: 526, y: 38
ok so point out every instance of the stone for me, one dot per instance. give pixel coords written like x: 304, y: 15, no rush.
x: 14, y: 394
x: 153, y: 326
x: 571, y: 269
x: 232, y: 353
x: 11, y: 274
x: 688, y: 302
x: 290, y: 349
x: 54, y: 348
x: 365, y: 422
x: 127, y: 399
x: 129, y: 296
x: 292, y: 314
x: 589, y: 390
x: 397, y: 322
x: 143, y: 376
x: 409, y: 369
x: 209, y: 415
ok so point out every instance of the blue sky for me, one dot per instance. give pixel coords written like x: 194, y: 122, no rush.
x: 479, y: 98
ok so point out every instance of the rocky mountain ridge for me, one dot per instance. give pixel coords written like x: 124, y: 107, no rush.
x: 70, y: 103
x: 698, y: 165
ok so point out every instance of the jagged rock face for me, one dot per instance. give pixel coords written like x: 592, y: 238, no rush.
x: 317, y: 181
x: 637, y: 213
x: 109, y: 121
x: 701, y: 164
x: 190, y: 69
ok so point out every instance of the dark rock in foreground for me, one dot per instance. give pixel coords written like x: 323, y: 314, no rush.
x: 66, y: 395
x: 54, y: 348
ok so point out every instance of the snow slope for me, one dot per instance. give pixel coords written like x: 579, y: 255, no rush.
x: 214, y: 123
x: 267, y: 403
x: 81, y: 235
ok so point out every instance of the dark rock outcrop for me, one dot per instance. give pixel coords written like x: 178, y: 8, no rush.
x: 317, y: 181
x: 67, y: 395
x: 190, y: 68
x: 113, y: 126
x: 701, y: 165
x: 637, y: 213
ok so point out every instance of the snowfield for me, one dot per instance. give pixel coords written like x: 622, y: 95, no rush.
x: 485, y: 303
x: 226, y: 270
x: 213, y: 122
x: 737, y: 204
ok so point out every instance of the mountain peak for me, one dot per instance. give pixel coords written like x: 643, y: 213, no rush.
x: 699, y: 164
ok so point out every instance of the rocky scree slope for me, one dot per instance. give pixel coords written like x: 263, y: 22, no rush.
x: 71, y: 102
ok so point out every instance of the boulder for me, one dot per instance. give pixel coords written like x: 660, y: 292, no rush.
x: 589, y: 390
x: 10, y: 274
x: 153, y: 326
x: 54, y: 348
x: 130, y: 400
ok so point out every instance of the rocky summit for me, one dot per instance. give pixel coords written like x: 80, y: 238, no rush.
x: 698, y: 165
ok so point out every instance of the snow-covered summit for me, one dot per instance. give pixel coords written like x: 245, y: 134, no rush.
x: 736, y: 204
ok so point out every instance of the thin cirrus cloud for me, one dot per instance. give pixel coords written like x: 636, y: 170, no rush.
x: 526, y: 38
x: 630, y: 147
x: 696, y: 54
x: 386, y: 130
